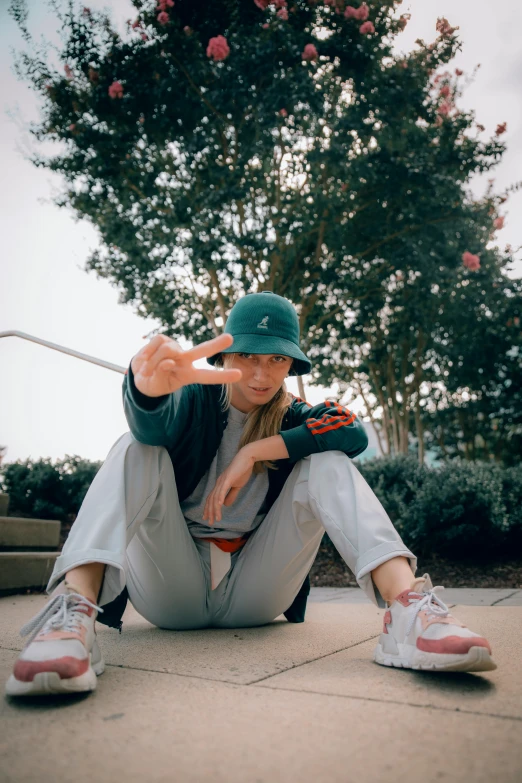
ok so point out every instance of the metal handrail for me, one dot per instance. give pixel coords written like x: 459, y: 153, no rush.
x: 69, y: 351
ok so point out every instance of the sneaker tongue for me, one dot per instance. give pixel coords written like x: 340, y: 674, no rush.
x: 421, y: 584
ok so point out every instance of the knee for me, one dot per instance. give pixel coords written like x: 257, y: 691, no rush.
x: 134, y: 449
x: 129, y: 443
x: 327, y: 459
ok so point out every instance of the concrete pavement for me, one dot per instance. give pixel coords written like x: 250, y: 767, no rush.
x: 279, y: 703
x: 468, y: 596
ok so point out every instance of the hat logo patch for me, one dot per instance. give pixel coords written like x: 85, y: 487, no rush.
x: 263, y: 323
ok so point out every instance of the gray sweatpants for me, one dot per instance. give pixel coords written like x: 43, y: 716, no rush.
x: 131, y: 520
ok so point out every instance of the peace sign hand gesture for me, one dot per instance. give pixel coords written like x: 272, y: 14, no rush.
x: 163, y: 367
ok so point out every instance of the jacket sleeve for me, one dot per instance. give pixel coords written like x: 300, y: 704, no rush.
x: 152, y: 420
x: 324, y: 427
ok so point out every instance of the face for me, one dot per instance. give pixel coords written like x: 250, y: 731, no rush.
x: 263, y: 376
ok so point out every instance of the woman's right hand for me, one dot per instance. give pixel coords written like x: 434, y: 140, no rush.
x: 162, y: 366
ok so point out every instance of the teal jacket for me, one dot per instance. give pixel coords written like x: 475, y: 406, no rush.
x: 190, y: 423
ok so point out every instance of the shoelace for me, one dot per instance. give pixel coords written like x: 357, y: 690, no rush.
x: 430, y: 602
x: 57, y: 613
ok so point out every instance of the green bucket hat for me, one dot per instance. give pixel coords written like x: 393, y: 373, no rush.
x: 265, y: 323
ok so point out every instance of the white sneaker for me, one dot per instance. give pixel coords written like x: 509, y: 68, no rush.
x: 420, y: 633
x: 62, y: 655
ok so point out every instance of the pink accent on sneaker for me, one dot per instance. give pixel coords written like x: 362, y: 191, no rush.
x: 429, y: 619
x: 80, y: 634
x: 84, y: 609
x: 66, y: 667
x: 386, y: 619
x: 404, y: 597
x: 453, y: 645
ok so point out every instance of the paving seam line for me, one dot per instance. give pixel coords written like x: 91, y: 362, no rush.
x: 312, y: 660
x: 506, y: 597
x: 394, y: 701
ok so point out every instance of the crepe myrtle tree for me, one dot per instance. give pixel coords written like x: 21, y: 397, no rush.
x: 396, y: 328
x: 241, y: 145
x: 435, y: 330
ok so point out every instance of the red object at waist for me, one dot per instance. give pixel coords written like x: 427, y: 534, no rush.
x: 227, y: 544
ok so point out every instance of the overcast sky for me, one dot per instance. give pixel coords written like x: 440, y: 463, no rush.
x: 51, y: 404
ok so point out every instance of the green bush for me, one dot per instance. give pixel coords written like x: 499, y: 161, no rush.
x: 512, y: 494
x: 460, y: 510
x: 396, y: 482
x: 43, y: 490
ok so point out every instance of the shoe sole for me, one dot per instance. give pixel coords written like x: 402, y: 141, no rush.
x: 478, y: 659
x: 45, y: 683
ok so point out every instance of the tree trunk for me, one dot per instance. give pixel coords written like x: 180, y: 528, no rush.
x: 419, y: 428
x: 374, y: 375
x: 301, y: 387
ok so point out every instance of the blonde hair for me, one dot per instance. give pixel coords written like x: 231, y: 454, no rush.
x: 264, y: 420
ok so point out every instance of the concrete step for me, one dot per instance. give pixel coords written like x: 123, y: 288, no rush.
x: 18, y: 534
x: 22, y: 570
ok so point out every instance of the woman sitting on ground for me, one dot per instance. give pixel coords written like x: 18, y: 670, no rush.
x: 210, y: 513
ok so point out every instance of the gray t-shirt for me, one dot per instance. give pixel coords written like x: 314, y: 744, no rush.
x: 246, y: 513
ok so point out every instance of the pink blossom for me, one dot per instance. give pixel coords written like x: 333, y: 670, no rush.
x: 470, y: 261
x: 72, y: 127
x: 438, y: 121
x: 86, y: 11
x: 265, y: 26
x: 363, y: 12
x: 444, y: 108
x: 116, y: 90
x: 164, y: 4
x: 187, y: 30
x: 329, y: 2
x: 499, y: 222
x: 367, y: 27
x: 68, y: 72
x: 344, y: 187
x: 283, y: 112
x: 144, y: 37
x: 445, y: 91
x: 279, y: 3
x: 458, y: 72
x: 163, y: 18
x: 283, y: 14
x: 136, y: 24
x: 350, y: 12
x: 218, y: 48
x: 501, y: 129
x: 309, y: 52
x: 262, y: 4
x: 443, y: 27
